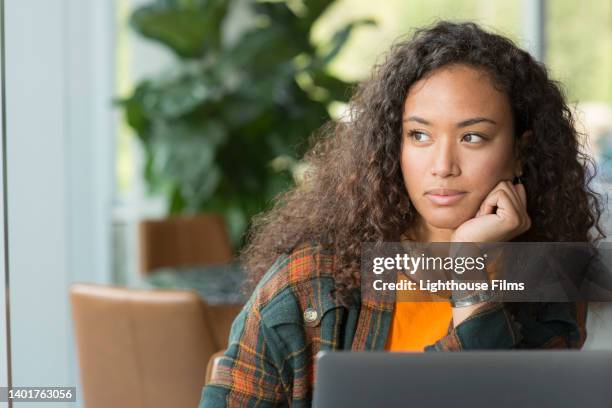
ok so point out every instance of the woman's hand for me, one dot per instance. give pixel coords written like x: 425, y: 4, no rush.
x: 501, y: 217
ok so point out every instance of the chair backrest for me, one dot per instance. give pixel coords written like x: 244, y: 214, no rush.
x: 140, y: 348
x: 183, y: 241
x: 219, y: 319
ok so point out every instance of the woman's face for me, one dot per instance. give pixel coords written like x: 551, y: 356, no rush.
x: 457, y: 144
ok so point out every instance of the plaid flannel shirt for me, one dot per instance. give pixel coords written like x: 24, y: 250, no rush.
x: 292, y: 315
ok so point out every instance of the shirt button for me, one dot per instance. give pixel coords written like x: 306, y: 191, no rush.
x: 310, y: 316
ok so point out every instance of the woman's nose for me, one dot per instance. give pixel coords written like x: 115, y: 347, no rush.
x: 445, y: 159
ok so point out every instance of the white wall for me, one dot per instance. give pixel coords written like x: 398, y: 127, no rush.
x: 4, y: 344
x: 37, y: 188
x: 137, y: 58
x: 59, y: 73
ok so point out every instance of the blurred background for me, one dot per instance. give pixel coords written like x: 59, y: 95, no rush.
x: 142, y: 136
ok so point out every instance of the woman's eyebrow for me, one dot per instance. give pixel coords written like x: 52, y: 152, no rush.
x: 464, y: 123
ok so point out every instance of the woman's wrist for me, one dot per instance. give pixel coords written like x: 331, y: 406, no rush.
x: 460, y: 314
x: 471, y: 299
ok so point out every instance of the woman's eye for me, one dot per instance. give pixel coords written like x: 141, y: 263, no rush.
x: 473, y: 138
x: 419, y: 136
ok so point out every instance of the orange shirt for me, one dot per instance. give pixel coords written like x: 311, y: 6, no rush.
x: 418, y: 324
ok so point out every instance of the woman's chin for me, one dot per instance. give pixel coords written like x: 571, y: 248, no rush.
x: 446, y: 219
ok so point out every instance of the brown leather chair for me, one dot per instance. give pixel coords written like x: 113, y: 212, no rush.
x: 183, y: 241
x: 143, y: 348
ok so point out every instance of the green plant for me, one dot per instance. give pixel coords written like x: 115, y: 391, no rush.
x: 224, y: 127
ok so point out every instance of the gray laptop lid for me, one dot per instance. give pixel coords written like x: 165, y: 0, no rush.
x: 472, y: 379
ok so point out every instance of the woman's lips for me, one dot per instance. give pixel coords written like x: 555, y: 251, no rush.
x: 445, y: 197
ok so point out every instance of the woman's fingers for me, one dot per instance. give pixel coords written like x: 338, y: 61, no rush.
x: 511, y: 203
x: 501, y: 217
x: 499, y: 199
x: 518, y: 215
x: 522, y: 193
x: 487, y: 208
x: 508, y: 187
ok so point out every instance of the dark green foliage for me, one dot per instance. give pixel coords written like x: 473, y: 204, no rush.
x: 213, y: 124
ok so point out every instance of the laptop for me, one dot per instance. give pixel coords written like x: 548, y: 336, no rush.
x: 471, y: 379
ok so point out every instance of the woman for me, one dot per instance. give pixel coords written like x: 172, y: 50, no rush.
x: 458, y: 136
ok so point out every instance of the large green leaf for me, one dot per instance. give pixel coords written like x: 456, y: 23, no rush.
x: 189, y: 28
x: 135, y: 114
x: 176, y: 95
x: 261, y: 50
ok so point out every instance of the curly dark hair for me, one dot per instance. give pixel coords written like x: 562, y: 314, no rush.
x: 354, y: 190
